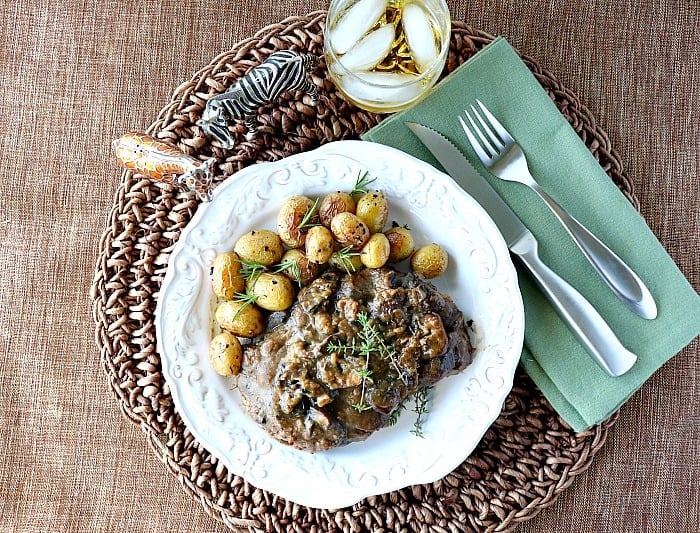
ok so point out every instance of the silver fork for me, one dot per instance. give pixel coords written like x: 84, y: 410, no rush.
x: 504, y: 158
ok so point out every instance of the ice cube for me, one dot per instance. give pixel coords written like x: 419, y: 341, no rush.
x: 354, y: 23
x: 387, y: 87
x: 419, y: 36
x: 370, y: 50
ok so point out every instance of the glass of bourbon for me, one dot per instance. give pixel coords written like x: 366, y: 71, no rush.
x: 384, y: 55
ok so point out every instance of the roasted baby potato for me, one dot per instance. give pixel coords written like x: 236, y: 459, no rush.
x: 401, y: 243
x: 226, y: 354
x: 260, y: 246
x: 291, y: 217
x: 349, y: 230
x: 375, y: 253
x: 226, y: 279
x: 240, y: 318
x: 429, y: 260
x: 303, y: 271
x: 273, y: 292
x: 373, y: 209
x: 334, y: 203
x: 319, y: 244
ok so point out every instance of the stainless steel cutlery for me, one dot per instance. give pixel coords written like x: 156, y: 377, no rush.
x: 577, y: 313
x: 504, y: 158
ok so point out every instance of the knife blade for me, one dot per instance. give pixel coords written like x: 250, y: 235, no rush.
x: 584, y: 321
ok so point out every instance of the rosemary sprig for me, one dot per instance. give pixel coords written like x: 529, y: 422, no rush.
x: 362, y: 181
x: 246, y: 299
x: 251, y: 270
x: 289, y: 265
x: 306, y: 221
x: 421, y: 398
x: 343, y: 255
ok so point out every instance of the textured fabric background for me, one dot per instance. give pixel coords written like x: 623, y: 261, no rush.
x: 75, y: 75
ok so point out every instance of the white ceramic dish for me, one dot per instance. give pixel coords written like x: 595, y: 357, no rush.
x: 481, y: 280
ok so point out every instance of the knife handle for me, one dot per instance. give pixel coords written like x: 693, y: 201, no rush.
x: 578, y: 314
x: 621, y: 279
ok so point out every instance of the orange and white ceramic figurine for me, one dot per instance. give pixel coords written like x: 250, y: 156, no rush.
x: 282, y: 71
x: 162, y: 162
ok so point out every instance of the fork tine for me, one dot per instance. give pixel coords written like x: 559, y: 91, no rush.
x: 476, y: 146
x: 486, y: 130
x: 491, y: 147
x: 495, y: 124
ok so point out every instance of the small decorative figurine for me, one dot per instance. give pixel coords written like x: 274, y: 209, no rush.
x: 282, y: 71
x: 163, y: 162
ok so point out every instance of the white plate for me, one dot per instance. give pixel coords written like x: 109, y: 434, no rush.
x: 481, y: 280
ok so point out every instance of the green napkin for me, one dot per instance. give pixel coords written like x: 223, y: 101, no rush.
x: 578, y: 389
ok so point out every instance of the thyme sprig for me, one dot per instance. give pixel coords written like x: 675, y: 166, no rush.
x: 363, y: 180
x: 366, y: 375
x: 422, y: 398
x: 372, y: 341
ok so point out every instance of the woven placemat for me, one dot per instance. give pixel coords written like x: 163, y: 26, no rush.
x: 524, y: 461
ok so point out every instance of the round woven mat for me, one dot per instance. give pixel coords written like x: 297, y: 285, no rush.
x: 524, y: 461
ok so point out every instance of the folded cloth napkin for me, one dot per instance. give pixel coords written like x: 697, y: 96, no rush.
x: 581, y: 392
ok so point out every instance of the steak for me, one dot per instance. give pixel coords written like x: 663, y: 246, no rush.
x: 350, y: 350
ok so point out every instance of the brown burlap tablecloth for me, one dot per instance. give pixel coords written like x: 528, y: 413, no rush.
x: 76, y: 76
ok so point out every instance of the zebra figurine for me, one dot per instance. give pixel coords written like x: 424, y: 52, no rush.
x: 282, y: 71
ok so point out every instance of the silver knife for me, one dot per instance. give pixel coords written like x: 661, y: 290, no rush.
x: 578, y: 314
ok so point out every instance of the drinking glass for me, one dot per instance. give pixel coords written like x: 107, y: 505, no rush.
x: 384, y: 55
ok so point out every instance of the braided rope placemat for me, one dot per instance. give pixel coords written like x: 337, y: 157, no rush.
x: 525, y: 459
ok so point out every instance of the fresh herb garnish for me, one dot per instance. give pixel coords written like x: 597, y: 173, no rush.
x: 251, y: 270
x: 246, y: 299
x: 343, y: 255
x: 372, y: 341
x: 306, y: 221
x: 421, y: 398
x: 362, y: 181
x: 289, y: 265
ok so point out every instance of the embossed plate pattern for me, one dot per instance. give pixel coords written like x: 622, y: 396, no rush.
x: 481, y: 280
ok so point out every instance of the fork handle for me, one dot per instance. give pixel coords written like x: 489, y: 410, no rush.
x: 621, y: 279
x: 578, y: 314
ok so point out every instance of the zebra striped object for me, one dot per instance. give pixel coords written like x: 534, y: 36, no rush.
x: 282, y: 71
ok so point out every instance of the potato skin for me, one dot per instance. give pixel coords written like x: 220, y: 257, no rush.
x: 401, y: 243
x: 308, y: 271
x: 226, y: 279
x: 226, y: 354
x: 319, y: 244
x: 349, y: 230
x: 290, y: 217
x: 430, y: 260
x: 375, y: 253
x: 373, y: 209
x: 275, y: 292
x: 334, y: 203
x: 239, y: 318
x: 261, y: 246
